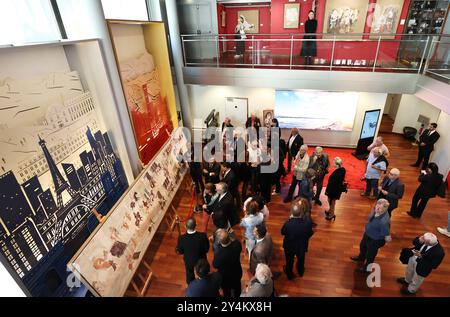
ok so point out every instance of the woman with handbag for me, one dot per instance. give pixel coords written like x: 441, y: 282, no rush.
x: 336, y: 185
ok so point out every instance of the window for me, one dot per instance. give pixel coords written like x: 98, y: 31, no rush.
x: 125, y: 9
x: 27, y: 21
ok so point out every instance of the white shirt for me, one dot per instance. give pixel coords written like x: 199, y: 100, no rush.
x: 291, y: 140
x: 221, y: 196
x: 431, y: 132
x: 191, y: 232
x: 226, y: 173
x: 259, y: 240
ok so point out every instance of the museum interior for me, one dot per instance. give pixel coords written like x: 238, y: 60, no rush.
x: 201, y: 148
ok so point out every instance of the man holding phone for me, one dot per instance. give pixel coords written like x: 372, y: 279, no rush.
x: 427, y: 256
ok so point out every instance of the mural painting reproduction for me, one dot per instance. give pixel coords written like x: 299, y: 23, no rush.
x: 345, y: 17
x: 148, y: 109
x: 109, y: 260
x: 56, y: 165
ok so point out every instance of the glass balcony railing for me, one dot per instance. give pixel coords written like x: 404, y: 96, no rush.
x: 427, y: 54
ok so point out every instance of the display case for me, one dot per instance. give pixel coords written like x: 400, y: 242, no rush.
x: 63, y: 160
x: 426, y: 17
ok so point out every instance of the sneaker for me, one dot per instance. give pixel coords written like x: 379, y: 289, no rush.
x: 405, y: 291
x: 401, y: 280
x: 237, y: 56
x: 356, y: 259
x: 444, y: 231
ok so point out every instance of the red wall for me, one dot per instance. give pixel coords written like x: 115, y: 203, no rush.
x: 272, y: 20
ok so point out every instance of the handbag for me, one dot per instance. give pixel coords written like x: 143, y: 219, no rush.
x: 405, y: 254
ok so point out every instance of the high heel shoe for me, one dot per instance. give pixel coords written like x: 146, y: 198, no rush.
x: 331, y: 218
x: 327, y: 213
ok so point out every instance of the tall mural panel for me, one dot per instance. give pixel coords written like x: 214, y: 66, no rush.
x: 57, y: 165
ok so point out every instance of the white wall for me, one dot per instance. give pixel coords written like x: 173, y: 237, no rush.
x: 129, y: 41
x: 205, y: 98
x: 441, y: 154
x: 409, y: 110
x: 9, y: 287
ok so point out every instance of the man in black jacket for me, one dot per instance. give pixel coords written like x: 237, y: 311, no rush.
x: 231, y: 179
x: 293, y: 146
x: 297, y: 231
x: 427, y: 256
x: 224, y: 210
x: 211, y: 171
x: 227, y: 260
x: 430, y: 181
x: 206, y: 284
x: 391, y: 189
x: 426, y: 145
x: 193, y: 246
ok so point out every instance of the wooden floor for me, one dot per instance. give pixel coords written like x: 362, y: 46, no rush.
x: 329, y: 271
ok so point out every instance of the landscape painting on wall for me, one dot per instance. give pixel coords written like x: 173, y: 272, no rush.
x: 316, y: 110
x: 57, y: 164
x: 345, y: 17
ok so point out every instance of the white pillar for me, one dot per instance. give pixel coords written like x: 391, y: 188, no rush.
x: 177, y: 53
x: 85, y: 19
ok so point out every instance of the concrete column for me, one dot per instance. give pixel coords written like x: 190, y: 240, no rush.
x: 177, y: 53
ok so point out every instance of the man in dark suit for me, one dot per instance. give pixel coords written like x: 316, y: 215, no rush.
x: 391, y: 189
x: 293, y: 146
x: 206, y: 284
x: 263, y: 250
x: 231, y: 179
x: 211, y: 172
x: 224, y: 211
x: 227, y: 260
x: 297, y: 231
x: 430, y: 181
x: 193, y: 246
x: 426, y: 257
x: 426, y: 145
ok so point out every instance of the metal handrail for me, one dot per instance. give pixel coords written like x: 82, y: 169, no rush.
x: 427, y: 42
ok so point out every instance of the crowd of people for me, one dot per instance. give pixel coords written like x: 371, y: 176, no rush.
x: 237, y: 193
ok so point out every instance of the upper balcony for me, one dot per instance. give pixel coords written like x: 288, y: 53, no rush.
x: 340, y: 62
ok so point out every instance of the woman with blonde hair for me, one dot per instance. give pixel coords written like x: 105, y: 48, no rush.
x: 335, y: 187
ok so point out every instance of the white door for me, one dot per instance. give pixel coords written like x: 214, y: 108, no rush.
x: 237, y: 110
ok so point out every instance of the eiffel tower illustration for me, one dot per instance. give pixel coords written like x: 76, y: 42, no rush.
x: 60, y: 183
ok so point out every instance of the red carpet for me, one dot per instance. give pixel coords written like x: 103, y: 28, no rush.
x: 354, y: 167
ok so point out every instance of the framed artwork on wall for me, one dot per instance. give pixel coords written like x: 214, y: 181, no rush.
x: 291, y: 15
x: 386, y: 18
x: 268, y: 115
x: 251, y: 20
x: 345, y: 17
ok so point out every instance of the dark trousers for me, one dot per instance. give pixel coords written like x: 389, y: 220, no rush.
x: 368, y: 249
x: 199, y: 185
x: 237, y: 198
x: 254, y: 178
x: 318, y: 181
x: 290, y: 158
x: 424, y: 155
x: 232, y: 288
x: 418, y: 205
x: 277, y: 182
x: 190, y: 276
x: 292, y: 188
x: 244, y: 189
x: 371, y: 184
x: 289, y: 255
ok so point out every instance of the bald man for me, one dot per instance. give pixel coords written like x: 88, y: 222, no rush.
x: 391, y: 189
